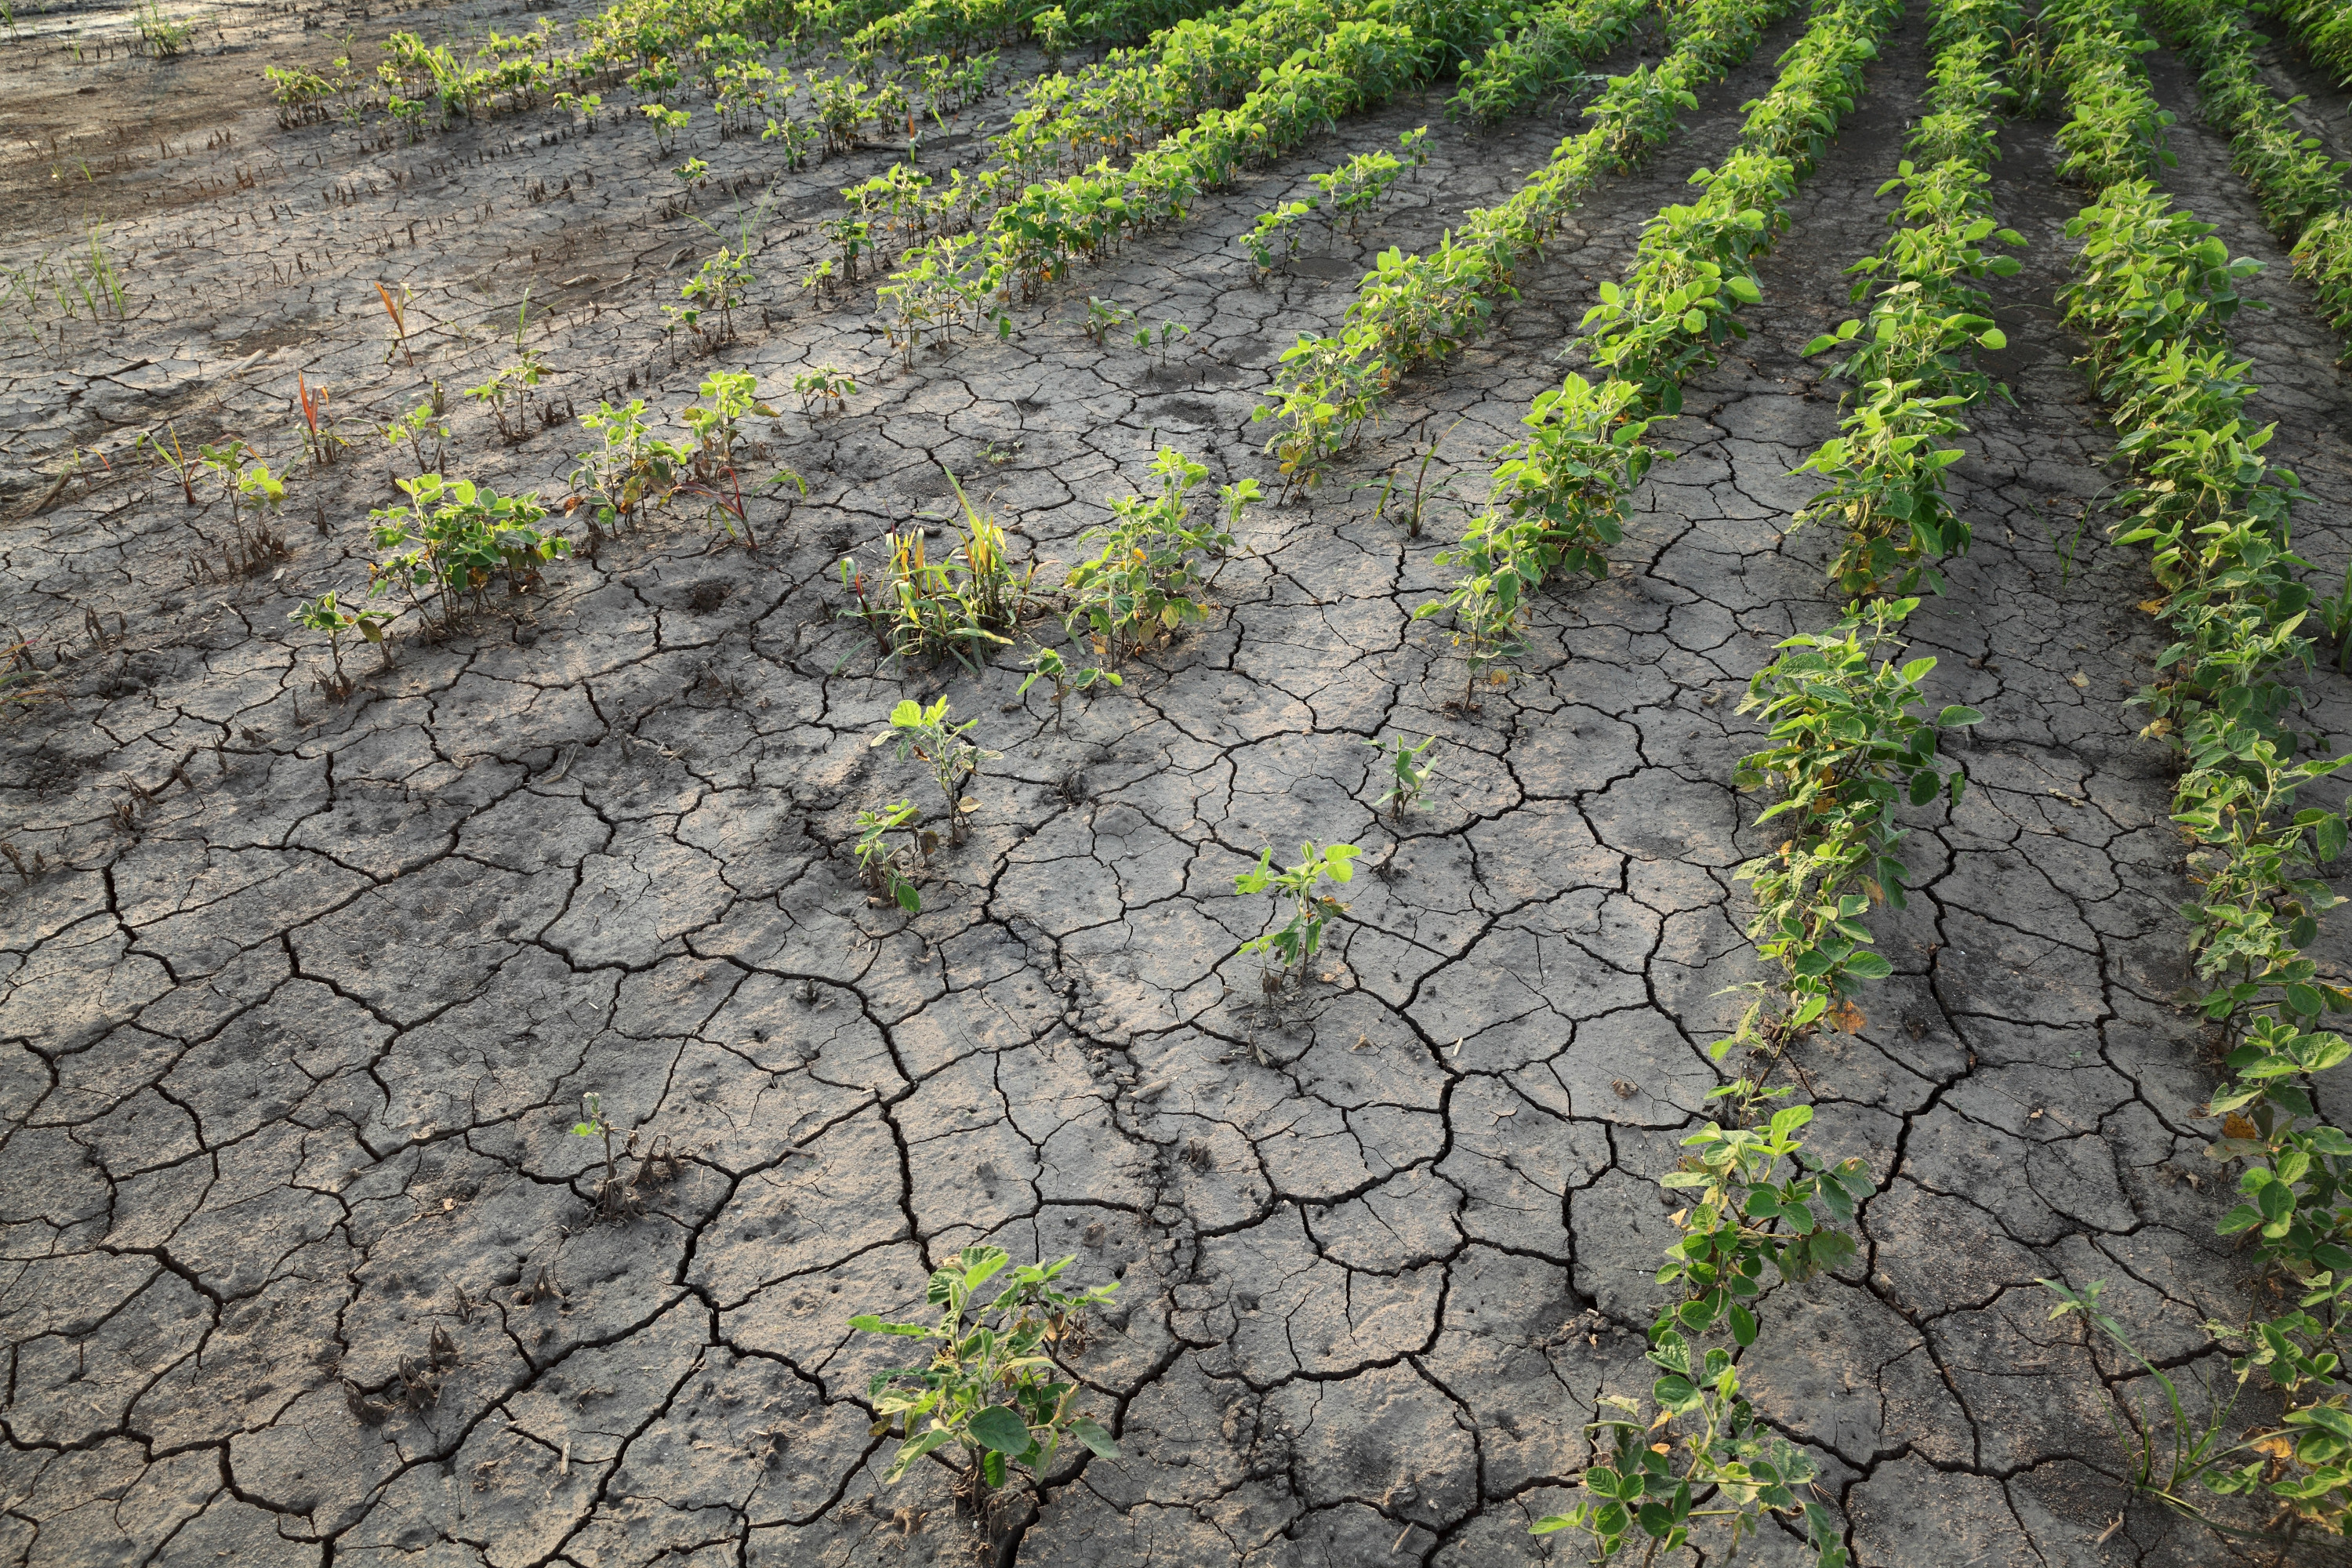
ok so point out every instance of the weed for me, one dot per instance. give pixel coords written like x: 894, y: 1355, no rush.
x: 176, y: 460
x: 991, y: 1386
x: 161, y: 36
x: 924, y: 734
x: 2301, y: 1464
x: 1409, y: 772
x: 1298, y: 891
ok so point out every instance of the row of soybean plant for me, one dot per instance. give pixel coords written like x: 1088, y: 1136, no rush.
x: 1220, y: 94
x: 2301, y: 189
x: 1760, y: 1197
x: 1848, y: 743
x: 1411, y: 310
x: 2153, y: 292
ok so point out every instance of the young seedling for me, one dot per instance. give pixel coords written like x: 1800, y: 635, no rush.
x: 615, y: 1199
x: 990, y: 1387
x: 797, y: 135
x: 668, y: 124
x: 722, y: 281
x: 1047, y: 664
x: 925, y: 734
x: 1104, y: 317
x: 327, y: 614
x: 1409, y: 772
x: 824, y: 384
x: 412, y: 429
x: 888, y: 869
x: 514, y: 383
x: 1170, y: 331
x: 1298, y: 891
x: 176, y: 460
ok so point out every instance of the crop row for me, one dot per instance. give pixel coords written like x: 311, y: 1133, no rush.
x: 2301, y: 188
x: 2152, y: 294
x: 655, y: 46
x: 1038, y: 234
x: 2324, y: 27
x: 1558, y: 496
x: 1413, y: 309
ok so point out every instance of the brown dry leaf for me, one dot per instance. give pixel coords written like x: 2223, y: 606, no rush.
x: 2153, y: 606
x: 2274, y: 1446
x: 2078, y: 680
x: 2236, y: 1126
x: 1847, y: 1018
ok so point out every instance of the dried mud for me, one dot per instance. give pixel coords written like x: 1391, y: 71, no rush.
x: 300, y: 1010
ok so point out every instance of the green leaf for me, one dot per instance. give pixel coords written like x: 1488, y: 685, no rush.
x: 1869, y: 965
x: 1092, y: 1435
x: 1743, y: 1324
x: 1001, y: 1427
x: 913, y: 1449
x: 1957, y: 718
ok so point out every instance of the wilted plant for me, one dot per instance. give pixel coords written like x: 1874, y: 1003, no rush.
x: 398, y: 311
x: 991, y: 1387
x: 615, y: 1198
x: 1298, y: 894
x: 319, y: 441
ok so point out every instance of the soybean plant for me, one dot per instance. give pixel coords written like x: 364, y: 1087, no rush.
x: 1298, y: 891
x: 925, y: 734
x: 991, y: 1385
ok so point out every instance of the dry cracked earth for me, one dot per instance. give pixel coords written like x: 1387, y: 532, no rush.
x: 298, y: 997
